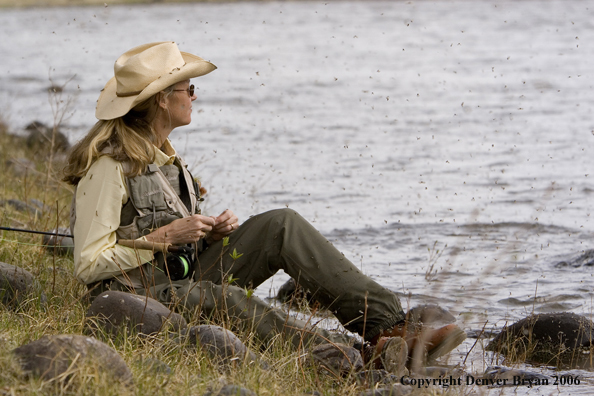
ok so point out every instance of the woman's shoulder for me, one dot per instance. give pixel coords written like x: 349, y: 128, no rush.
x: 105, y: 166
x: 106, y: 162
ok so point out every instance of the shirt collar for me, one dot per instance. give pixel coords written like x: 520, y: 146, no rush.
x: 165, y: 155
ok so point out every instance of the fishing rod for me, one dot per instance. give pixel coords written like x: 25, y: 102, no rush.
x: 137, y: 244
x: 178, y: 258
x: 35, y: 232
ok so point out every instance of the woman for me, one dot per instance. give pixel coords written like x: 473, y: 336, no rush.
x: 131, y: 185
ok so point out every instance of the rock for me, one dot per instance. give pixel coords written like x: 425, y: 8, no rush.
x: 291, y: 291
x: 430, y: 314
x: 60, y: 244
x: 153, y: 365
x: 55, y: 89
x: 20, y: 166
x: 231, y: 390
x: 115, y: 311
x: 586, y: 259
x: 339, y: 359
x: 40, y: 137
x: 220, y: 344
x: 439, y: 372
x: 513, y: 375
x: 557, y: 338
x: 371, y: 378
x: 51, y: 356
x: 480, y: 333
x: 18, y: 285
x: 38, y: 204
x: 22, y: 206
x: 394, y: 390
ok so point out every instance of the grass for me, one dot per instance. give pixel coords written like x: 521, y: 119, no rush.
x: 192, y: 371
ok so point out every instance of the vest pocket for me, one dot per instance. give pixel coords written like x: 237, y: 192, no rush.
x: 128, y: 232
x: 147, y: 193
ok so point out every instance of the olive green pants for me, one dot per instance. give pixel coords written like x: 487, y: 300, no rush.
x: 266, y: 243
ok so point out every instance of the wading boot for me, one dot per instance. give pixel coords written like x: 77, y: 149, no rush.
x: 390, y: 354
x: 423, y: 344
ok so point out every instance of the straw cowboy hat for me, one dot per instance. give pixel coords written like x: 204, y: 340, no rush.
x: 142, y: 72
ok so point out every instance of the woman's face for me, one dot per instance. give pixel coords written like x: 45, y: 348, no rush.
x: 180, y: 104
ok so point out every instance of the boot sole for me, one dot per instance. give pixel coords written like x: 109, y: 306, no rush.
x: 394, y: 356
x: 447, y: 345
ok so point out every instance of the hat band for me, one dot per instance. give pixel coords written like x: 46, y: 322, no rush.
x: 125, y: 95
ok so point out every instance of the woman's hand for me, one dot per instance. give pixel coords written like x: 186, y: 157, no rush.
x: 182, y: 231
x: 224, y: 225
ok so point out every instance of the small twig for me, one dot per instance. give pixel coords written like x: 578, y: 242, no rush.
x: 59, y: 110
x: 434, y: 255
x: 477, y: 340
x: 535, y: 292
x: 55, y: 248
x: 364, y: 325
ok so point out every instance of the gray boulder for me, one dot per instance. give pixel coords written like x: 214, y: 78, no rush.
x: 291, y: 291
x: 513, y: 377
x: 52, y: 356
x: 231, y: 390
x: 40, y: 136
x: 430, y: 314
x: 115, y: 311
x: 585, y: 259
x: 393, y: 390
x: 220, y: 344
x: 18, y: 285
x: 20, y: 166
x: 337, y: 358
x: 21, y: 206
x: 561, y: 338
x: 62, y: 245
x: 153, y: 366
x: 438, y: 372
x: 371, y: 378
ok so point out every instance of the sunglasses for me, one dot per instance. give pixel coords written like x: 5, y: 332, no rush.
x: 190, y: 90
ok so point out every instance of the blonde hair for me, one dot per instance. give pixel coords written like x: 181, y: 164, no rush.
x: 129, y: 138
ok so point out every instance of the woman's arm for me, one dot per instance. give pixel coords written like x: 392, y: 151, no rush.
x: 224, y: 225
x: 179, y: 232
x: 100, y: 196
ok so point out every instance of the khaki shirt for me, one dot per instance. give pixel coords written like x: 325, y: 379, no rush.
x: 100, y: 196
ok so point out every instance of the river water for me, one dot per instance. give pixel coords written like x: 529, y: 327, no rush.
x: 444, y: 147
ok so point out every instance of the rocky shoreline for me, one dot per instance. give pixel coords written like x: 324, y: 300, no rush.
x: 103, y: 333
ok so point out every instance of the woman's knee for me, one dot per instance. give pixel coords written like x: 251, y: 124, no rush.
x: 283, y: 215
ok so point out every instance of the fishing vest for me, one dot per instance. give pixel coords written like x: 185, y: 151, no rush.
x: 157, y: 197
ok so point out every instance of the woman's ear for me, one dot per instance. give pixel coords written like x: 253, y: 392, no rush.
x: 162, y: 100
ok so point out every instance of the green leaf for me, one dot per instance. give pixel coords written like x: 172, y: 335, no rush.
x: 235, y: 255
x: 231, y: 279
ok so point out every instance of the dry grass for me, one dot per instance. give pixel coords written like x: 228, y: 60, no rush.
x: 192, y: 372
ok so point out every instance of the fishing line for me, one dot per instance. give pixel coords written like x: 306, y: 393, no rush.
x: 30, y: 244
x: 35, y: 232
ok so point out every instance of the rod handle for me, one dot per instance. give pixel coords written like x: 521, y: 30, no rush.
x: 145, y: 245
